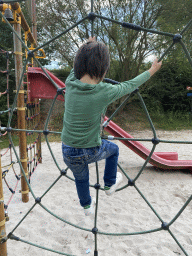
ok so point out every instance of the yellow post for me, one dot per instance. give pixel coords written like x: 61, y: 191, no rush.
x: 3, y: 245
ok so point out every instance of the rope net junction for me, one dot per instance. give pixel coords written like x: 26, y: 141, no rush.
x: 38, y: 200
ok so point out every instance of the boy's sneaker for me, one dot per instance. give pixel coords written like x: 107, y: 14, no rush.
x: 90, y: 209
x: 111, y: 190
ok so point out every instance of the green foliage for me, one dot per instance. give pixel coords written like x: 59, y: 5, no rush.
x: 175, y: 16
x: 115, y: 71
x: 6, y: 44
x: 62, y: 74
x: 3, y: 98
x: 4, y: 141
x: 6, y: 37
x: 166, y: 91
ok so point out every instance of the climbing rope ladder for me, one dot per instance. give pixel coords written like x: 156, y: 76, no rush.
x: 32, y: 120
x: 11, y: 166
x: 38, y: 200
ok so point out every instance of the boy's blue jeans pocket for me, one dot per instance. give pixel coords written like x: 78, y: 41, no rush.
x: 77, y: 159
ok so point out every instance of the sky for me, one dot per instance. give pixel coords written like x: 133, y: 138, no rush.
x: 54, y: 64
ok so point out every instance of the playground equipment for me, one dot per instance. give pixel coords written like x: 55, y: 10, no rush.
x: 41, y: 87
x: 26, y: 119
x: 162, y: 160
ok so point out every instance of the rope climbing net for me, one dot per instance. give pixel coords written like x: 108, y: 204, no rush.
x: 11, y: 166
x: 10, y: 172
x: 38, y: 200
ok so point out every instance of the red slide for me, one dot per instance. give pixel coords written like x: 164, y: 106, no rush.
x: 41, y: 87
x: 163, y: 160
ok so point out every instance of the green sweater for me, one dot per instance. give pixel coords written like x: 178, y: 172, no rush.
x: 86, y: 103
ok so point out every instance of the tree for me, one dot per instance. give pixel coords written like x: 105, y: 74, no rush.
x: 129, y: 47
x: 174, y: 18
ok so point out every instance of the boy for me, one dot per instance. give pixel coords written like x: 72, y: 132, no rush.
x: 86, y: 100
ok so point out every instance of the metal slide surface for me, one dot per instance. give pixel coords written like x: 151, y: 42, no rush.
x: 41, y: 87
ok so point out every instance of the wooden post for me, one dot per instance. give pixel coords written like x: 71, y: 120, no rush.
x: 21, y: 112
x: 3, y: 245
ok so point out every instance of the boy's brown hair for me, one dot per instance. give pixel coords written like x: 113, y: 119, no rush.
x: 92, y: 58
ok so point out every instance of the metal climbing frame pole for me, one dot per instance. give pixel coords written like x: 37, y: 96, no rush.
x: 21, y: 111
x: 92, y: 22
x: 34, y: 21
x: 3, y: 244
x: 37, y: 102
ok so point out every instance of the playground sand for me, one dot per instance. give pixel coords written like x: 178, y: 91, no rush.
x: 125, y: 212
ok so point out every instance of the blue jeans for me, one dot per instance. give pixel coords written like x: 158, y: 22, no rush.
x: 77, y: 159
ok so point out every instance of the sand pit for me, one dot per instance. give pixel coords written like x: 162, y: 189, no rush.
x: 125, y: 212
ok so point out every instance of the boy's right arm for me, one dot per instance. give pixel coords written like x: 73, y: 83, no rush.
x: 155, y: 67
x: 127, y: 87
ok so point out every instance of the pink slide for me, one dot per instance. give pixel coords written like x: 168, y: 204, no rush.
x: 41, y: 87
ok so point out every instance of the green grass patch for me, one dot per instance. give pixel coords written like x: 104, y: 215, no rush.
x: 4, y: 141
x: 172, y: 121
x: 131, y: 118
